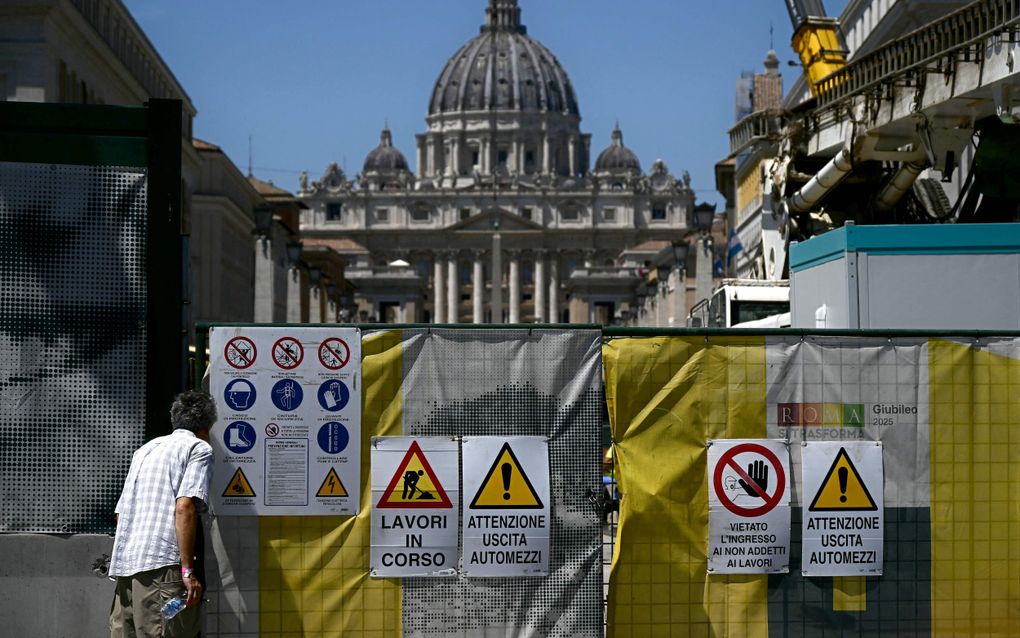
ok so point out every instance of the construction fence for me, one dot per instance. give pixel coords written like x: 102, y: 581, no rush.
x: 942, y: 407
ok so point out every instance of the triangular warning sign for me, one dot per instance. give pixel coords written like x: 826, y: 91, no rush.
x: 239, y: 485
x: 332, y: 486
x: 843, y: 489
x: 506, y: 486
x: 414, y: 484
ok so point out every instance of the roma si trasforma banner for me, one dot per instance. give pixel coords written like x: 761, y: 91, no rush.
x: 942, y: 410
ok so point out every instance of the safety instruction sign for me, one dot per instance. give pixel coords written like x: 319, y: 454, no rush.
x: 287, y: 439
x: 843, y: 521
x: 748, y: 506
x: 506, y: 526
x: 415, y: 498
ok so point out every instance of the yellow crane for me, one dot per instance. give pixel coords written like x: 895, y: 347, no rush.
x: 816, y: 40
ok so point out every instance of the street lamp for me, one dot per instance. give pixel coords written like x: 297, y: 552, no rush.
x: 294, y: 252
x: 263, y: 220
x: 314, y: 275
x: 680, y: 250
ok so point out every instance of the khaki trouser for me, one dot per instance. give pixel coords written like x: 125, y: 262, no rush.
x: 138, y: 599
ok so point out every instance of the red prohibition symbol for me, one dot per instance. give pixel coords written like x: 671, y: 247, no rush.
x: 334, y: 353
x: 288, y: 353
x: 240, y: 352
x: 728, y: 458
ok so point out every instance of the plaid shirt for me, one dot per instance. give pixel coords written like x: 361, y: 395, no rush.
x: 162, y: 470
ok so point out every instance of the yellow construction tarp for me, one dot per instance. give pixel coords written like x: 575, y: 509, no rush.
x: 666, y: 398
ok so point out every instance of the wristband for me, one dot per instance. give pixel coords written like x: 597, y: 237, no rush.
x: 187, y: 572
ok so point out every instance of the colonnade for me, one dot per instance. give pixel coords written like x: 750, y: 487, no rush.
x: 503, y: 283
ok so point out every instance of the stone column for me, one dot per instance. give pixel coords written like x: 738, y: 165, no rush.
x: 452, y: 290
x: 572, y: 153
x: 547, y: 155
x: 420, y: 157
x: 315, y: 304
x: 478, y: 289
x: 515, y: 286
x: 541, y: 288
x: 554, y: 288
x: 431, y: 145
x: 455, y: 159
x: 438, y: 289
x: 679, y: 298
x: 265, y: 280
x: 496, y: 297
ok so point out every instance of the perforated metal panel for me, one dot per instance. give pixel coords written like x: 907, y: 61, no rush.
x: 72, y: 342
x: 515, y: 382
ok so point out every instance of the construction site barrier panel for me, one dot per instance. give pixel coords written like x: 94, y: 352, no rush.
x: 945, y: 410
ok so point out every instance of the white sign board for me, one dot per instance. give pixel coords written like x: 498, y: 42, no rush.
x: 288, y: 438
x: 506, y: 508
x: 844, y: 519
x: 748, y: 506
x: 415, y: 501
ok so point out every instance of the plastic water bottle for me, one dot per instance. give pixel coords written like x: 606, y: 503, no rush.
x: 174, y: 606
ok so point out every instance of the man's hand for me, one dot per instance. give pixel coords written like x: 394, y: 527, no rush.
x: 194, y: 589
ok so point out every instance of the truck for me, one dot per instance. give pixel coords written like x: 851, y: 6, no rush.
x: 735, y: 302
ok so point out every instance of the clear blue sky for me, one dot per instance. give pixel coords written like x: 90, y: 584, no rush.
x: 312, y: 81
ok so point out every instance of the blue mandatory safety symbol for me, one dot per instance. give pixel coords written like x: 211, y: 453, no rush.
x: 239, y: 395
x: 239, y: 437
x: 287, y: 394
x: 333, y: 437
x: 334, y: 395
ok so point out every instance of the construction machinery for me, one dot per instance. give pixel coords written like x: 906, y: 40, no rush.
x: 915, y: 126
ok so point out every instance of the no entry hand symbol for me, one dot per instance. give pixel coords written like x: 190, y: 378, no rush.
x: 754, y: 481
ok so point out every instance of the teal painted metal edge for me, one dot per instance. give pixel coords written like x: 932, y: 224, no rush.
x: 820, y: 249
x: 920, y: 239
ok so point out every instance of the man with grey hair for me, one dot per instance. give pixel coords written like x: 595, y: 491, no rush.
x: 153, y: 557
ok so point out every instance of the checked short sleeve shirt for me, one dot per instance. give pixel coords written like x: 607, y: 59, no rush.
x: 162, y: 470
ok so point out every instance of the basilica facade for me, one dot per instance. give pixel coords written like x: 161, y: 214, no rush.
x: 504, y: 218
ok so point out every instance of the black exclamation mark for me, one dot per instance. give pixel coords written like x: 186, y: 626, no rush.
x: 843, y: 475
x: 506, y: 469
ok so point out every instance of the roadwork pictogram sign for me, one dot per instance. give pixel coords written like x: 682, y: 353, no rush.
x: 415, y: 492
x: 843, y: 529
x: 332, y: 486
x: 506, y: 486
x: 506, y: 527
x: 414, y: 484
x: 238, y: 485
x: 748, y: 506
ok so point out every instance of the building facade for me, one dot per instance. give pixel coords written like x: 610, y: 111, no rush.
x: 504, y: 219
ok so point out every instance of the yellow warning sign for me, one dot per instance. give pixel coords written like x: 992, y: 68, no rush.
x: 843, y: 489
x: 414, y: 484
x: 239, y: 485
x: 506, y: 486
x: 332, y: 486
